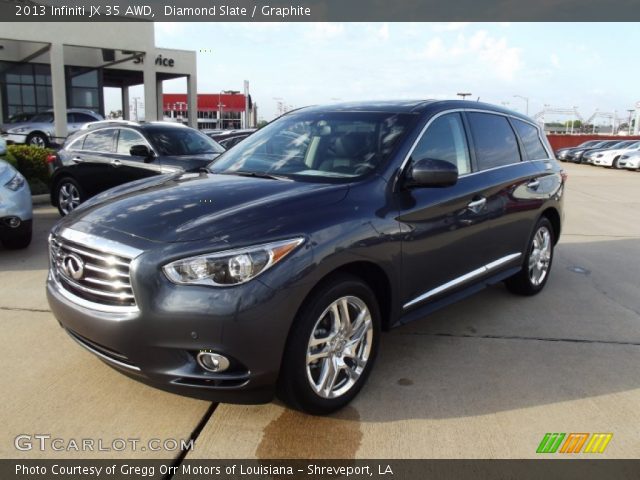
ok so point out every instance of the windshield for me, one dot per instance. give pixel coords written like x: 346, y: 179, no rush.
x: 182, y: 141
x: 46, y: 117
x: 318, y: 145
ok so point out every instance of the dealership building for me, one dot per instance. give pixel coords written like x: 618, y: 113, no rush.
x: 67, y: 65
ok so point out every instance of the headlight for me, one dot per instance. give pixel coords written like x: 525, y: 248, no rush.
x: 577, y: 152
x: 624, y: 156
x: 16, y: 182
x: 599, y: 155
x: 232, y: 267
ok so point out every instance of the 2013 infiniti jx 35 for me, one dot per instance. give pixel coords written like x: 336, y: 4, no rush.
x: 275, y: 271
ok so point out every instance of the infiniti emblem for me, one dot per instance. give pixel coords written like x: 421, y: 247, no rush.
x: 73, y: 266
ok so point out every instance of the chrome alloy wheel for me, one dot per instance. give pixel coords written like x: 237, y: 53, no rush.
x: 339, y: 347
x: 68, y: 197
x: 37, y: 141
x: 540, y: 256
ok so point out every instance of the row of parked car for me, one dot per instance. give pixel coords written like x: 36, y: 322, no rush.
x: 604, y: 153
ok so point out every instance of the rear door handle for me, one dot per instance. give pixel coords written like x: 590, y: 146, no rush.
x: 533, y: 184
x: 77, y: 159
x: 116, y: 163
x: 477, y: 205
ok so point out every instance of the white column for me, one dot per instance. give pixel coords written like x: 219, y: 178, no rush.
x: 159, y: 102
x: 150, y: 98
x: 126, y: 114
x: 192, y: 100
x: 59, y: 91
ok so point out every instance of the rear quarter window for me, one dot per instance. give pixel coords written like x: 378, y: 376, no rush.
x: 494, y: 140
x: 530, y: 140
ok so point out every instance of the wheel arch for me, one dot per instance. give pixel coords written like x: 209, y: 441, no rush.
x: 553, y: 216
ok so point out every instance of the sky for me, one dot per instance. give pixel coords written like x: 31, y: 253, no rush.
x: 592, y: 66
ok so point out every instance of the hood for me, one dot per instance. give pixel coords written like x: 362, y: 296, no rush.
x: 197, y: 206
x: 8, y: 127
x: 7, y: 172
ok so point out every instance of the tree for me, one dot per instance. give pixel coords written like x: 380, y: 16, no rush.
x: 576, y: 123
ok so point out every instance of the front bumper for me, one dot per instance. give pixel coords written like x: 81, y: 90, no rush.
x: 158, y: 341
x: 11, y: 138
x: 16, y: 204
x: 629, y: 164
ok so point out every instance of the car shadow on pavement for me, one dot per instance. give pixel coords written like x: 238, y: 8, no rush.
x: 35, y: 256
x: 494, y: 352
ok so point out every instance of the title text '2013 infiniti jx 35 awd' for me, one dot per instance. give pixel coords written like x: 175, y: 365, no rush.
x: 275, y: 270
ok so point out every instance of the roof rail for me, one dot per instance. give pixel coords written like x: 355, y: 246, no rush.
x: 104, y: 123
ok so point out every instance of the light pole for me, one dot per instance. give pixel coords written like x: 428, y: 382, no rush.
x: 526, y: 99
x: 463, y: 95
x: 220, y: 111
x: 630, y: 110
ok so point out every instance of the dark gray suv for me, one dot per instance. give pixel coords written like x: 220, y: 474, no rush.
x: 275, y: 270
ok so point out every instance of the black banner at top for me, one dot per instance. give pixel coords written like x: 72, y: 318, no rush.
x: 319, y: 10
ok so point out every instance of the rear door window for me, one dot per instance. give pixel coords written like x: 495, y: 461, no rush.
x: 494, y: 140
x: 127, y: 139
x: 530, y: 140
x: 100, y: 141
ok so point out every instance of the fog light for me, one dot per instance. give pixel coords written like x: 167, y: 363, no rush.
x: 213, y: 362
x: 13, y: 222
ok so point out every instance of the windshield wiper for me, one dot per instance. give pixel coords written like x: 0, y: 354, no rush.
x: 256, y: 175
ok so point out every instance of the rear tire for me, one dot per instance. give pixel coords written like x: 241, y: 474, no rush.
x: 537, y: 262
x: 329, y: 355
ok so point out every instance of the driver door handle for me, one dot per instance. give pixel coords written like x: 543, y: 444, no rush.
x: 77, y: 159
x: 116, y: 162
x: 477, y: 205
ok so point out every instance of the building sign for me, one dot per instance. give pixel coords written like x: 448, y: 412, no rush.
x: 160, y: 61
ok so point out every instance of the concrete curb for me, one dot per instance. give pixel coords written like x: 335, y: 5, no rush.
x: 43, y: 199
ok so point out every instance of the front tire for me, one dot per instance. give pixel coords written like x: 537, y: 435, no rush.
x: 331, y: 348
x: 69, y: 195
x: 37, y: 139
x: 537, y: 263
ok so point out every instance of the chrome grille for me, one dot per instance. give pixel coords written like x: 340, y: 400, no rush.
x: 94, y: 275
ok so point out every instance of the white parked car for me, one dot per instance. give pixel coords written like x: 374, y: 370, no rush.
x: 630, y: 160
x: 39, y: 129
x: 611, y: 157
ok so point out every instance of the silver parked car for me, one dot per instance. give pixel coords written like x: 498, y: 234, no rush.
x: 15, y: 208
x: 40, y: 130
x: 630, y: 160
x: 609, y: 157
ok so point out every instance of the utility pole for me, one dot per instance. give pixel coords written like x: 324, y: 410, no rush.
x: 526, y: 99
x: 631, y: 110
x: 220, y: 111
x: 135, y: 107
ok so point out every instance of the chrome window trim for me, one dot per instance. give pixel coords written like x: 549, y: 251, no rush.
x: 462, y: 279
x: 110, y: 127
x: 405, y: 162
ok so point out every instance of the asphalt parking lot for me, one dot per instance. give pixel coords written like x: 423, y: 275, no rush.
x: 485, y: 378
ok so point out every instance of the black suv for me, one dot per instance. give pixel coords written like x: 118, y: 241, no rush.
x: 276, y: 270
x: 110, y: 153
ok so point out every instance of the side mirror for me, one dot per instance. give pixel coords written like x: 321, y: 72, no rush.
x: 430, y: 172
x: 141, y: 151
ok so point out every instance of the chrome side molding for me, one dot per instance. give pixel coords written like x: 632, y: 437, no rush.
x: 478, y: 272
